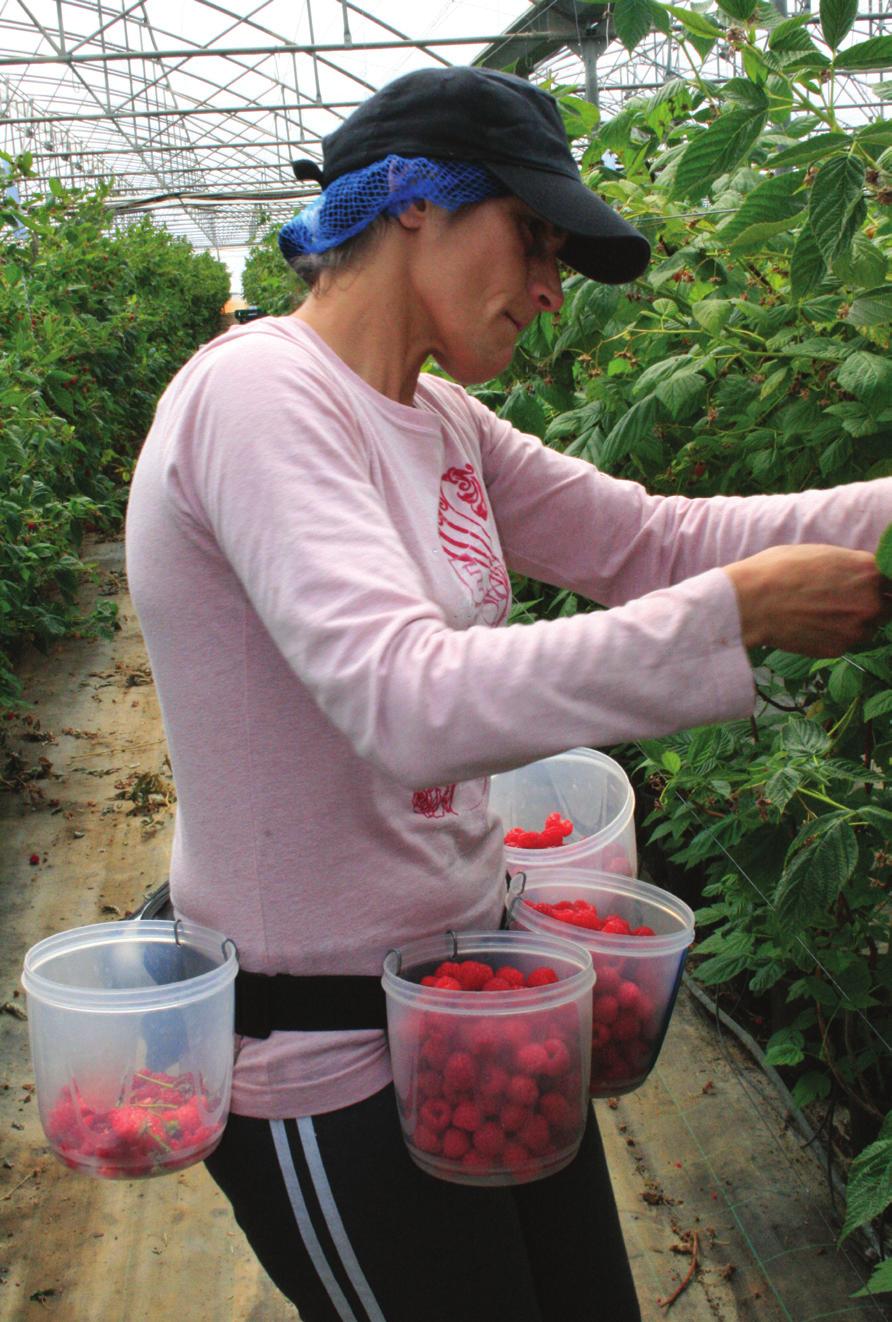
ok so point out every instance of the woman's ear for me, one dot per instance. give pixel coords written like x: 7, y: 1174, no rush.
x: 414, y: 215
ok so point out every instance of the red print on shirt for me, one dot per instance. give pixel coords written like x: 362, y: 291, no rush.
x: 466, y: 540
x: 435, y: 802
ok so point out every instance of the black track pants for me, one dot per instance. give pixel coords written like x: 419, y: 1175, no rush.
x: 352, y: 1231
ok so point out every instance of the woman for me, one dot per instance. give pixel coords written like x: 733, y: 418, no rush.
x: 319, y: 540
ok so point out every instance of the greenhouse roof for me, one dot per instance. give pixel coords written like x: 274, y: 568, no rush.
x: 196, y: 108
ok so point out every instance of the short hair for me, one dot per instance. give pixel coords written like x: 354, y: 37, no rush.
x: 314, y: 267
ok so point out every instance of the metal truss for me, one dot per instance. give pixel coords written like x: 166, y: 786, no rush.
x: 194, y: 109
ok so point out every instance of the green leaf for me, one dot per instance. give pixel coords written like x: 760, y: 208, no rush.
x: 807, y: 265
x: 810, y: 150
x: 698, y: 24
x: 633, y: 19
x: 635, y: 424
x: 836, y: 206
x: 813, y: 878
x: 869, y: 1189
x: 868, y: 377
x: 785, y: 1047
x: 837, y: 17
x: 774, y: 199
x: 790, y: 35
x: 881, y: 703
x: 680, y: 391
x: 880, y: 1281
x: 875, y: 53
x: 813, y: 1086
x: 725, y: 143
x: 720, y: 968
x: 742, y: 10
x: 864, y: 265
x: 872, y: 308
x: 884, y: 553
x: 780, y: 788
x: 746, y: 92
x: 712, y: 313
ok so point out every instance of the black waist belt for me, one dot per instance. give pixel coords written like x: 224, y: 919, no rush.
x: 267, y: 1003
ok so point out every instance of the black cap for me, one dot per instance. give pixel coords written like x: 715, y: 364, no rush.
x: 513, y: 128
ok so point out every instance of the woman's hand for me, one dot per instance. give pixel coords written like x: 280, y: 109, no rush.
x: 814, y: 600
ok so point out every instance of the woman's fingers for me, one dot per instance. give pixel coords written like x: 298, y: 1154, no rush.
x: 814, y: 600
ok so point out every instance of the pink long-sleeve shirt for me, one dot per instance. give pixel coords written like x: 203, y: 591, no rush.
x: 321, y: 578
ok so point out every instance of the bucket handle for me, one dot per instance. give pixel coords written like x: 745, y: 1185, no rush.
x: 395, y: 950
x: 177, y: 924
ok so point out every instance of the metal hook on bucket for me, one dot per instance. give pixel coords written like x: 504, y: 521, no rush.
x: 177, y: 924
x: 395, y: 950
x: 517, y: 884
x: 234, y: 947
x: 449, y: 932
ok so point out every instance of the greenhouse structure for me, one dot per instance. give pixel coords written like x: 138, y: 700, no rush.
x: 726, y: 868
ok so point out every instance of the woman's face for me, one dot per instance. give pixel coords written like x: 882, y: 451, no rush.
x: 479, y: 275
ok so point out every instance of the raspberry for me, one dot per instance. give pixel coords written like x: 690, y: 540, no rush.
x: 472, y: 975
x: 516, y: 1031
x: 557, y: 1110
x: 511, y: 975
x: 541, y: 977
x: 467, y: 1116
x: 532, y: 1059
x: 600, y: 1036
x: 435, y: 1114
x: 608, y: 979
x: 557, y: 1056
x: 628, y: 995
x: 430, y: 1083
x: 460, y: 1071
x: 605, y: 1009
x: 489, y: 1139
x: 128, y: 1122
x: 482, y: 1037
x: 590, y: 921
x: 448, y: 984
x: 455, y: 1144
x: 643, y: 931
x: 513, y: 1116
x: 523, y: 1090
x: 618, y: 926
x: 515, y: 1156
x: 475, y: 1160
x: 625, y: 1027
x: 34, y: 860
x: 448, y: 969
x: 426, y: 1140
x: 429, y: 980
x: 536, y: 1134
x: 496, y: 985
x: 493, y: 1080
x: 435, y: 1050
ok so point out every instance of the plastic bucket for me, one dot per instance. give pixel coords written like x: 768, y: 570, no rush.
x: 492, y: 1086
x: 585, y: 786
x: 637, y: 977
x: 131, y: 1028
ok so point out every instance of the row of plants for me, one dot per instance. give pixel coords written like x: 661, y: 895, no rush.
x: 752, y: 357
x: 94, y: 321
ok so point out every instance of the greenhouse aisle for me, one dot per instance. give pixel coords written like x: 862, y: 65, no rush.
x: 726, y: 1215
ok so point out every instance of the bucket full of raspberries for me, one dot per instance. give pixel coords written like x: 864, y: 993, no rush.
x: 131, y: 1028
x: 489, y: 1038
x: 576, y: 809
x: 638, y: 936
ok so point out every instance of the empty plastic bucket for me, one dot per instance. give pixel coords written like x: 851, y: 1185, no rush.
x: 585, y: 786
x: 637, y: 977
x: 131, y: 1028
x: 492, y: 1086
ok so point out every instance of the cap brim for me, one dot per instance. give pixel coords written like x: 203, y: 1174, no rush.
x: 601, y: 245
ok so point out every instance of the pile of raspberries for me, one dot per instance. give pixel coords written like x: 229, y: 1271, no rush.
x: 580, y: 913
x: 488, y: 1094
x: 552, y: 834
x: 166, y: 1123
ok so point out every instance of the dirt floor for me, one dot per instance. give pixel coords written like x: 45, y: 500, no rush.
x: 727, y: 1215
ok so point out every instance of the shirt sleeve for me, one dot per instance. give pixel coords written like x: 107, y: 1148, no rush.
x: 281, y: 477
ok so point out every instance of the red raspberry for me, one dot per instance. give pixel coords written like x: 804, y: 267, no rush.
x: 448, y: 969
x: 563, y: 905
x: 523, y: 1090
x: 460, y: 1071
x: 455, y: 1144
x: 493, y: 1080
x: 536, y: 1134
x: 428, y: 980
x: 188, y: 1117
x: 557, y: 1056
x: 489, y: 1139
x: 483, y: 1037
x: 426, y: 1140
x: 435, y: 1114
x: 515, y: 1156
x: 628, y: 995
x: 435, y: 1050
x: 590, y: 921
x: 605, y: 1009
x: 532, y: 1059
x: 467, y: 1116
x: 541, y: 977
x: 129, y: 1123
x: 618, y: 926
x: 496, y: 985
x: 608, y: 979
x: 511, y: 975
x: 600, y: 1036
x: 625, y: 1027
x: 516, y: 1031
x: 472, y: 974
x: 557, y: 1110
x: 513, y: 1116
x: 34, y: 860
x: 475, y: 1160
x: 643, y: 931
x: 430, y: 1083
x: 448, y: 984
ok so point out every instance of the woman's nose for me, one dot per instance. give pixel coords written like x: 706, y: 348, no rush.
x: 545, y: 285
